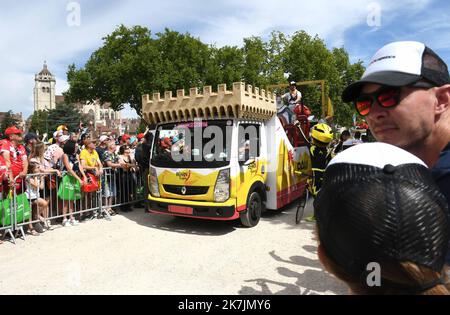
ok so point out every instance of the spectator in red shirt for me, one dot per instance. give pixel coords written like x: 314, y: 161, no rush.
x: 14, y: 156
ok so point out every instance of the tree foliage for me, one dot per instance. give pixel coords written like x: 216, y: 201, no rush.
x: 48, y: 120
x: 132, y: 62
x: 39, y: 122
x: 8, y: 121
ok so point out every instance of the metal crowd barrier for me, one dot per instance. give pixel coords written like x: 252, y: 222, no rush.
x: 6, y: 215
x: 121, y: 188
x: 118, y: 188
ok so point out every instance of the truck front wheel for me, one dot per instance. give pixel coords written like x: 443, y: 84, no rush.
x: 251, y: 216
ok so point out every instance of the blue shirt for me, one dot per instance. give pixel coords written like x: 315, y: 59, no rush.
x: 441, y: 174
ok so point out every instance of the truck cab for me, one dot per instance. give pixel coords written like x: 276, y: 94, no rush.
x: 229, y: 166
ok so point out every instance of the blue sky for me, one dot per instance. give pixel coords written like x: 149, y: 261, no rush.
x: 34, y: 31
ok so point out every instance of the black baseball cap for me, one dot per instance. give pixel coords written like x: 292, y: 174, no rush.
x: 379, y: 203
x: 30, y: 136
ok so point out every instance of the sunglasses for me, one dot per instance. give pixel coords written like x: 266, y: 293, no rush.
x: 386, y: 96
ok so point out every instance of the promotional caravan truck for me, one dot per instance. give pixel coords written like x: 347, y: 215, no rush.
x: 224, y: 155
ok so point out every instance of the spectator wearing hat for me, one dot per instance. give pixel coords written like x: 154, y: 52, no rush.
x: 64, y: 129
x: 91, y: 163
x: 14, y: 157
x: 140, y: 137
x: 111, y: 176
x: 102, y: 147
x: 125, y: 140
x: 382, y: 223
x: 54, y: 152
x: 404, y: 94
x: 293, y: 97
x: 90, y: 159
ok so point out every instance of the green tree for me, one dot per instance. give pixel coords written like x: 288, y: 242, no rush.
x: 131, y: 63
x: 184, y: 59
x: 228, y: 66
x: 276, y: 54
x: 39, y: 122
x: 64, y: 114
x: 127, y: 65
x: 347, y: 73
x: 8, y: 121
x: 256, y: 61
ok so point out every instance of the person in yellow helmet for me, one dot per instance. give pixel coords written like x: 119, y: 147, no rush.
x: 321, y: 135
x: 63, y: 128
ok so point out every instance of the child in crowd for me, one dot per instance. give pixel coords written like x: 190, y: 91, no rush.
x: 35, y: 182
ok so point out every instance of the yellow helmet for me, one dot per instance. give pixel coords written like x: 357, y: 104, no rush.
x: 61, y: 128
x: 322, y: 133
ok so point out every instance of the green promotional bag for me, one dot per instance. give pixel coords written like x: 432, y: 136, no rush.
x: 69, y: 188
x: 5, y: 212
x: 23, y: 210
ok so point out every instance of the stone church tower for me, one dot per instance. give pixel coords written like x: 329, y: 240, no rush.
x: 44, y: 90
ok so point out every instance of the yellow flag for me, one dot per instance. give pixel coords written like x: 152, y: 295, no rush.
x: 330, y: 110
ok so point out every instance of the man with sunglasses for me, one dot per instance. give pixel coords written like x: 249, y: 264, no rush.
x: 14, y: 156
x: 404, y: 94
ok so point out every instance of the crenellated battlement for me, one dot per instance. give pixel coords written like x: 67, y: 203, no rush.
x: 241, y: 102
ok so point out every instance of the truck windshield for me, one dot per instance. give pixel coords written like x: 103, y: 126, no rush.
x: 199, y: 144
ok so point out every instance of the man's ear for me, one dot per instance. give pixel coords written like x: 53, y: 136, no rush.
x: 443, y: 99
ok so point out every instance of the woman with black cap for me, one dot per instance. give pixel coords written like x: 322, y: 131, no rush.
x: 382, y: 222
x: 30, y: 141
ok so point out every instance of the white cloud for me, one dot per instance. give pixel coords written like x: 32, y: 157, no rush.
x: 32, y: 32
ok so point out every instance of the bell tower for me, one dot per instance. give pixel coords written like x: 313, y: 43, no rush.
x: 44, y: 90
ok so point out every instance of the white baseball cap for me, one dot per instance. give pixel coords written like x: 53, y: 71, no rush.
x: 103, y: 138
x: 400, y: 64
x: 376, y: 154
x: 57, y: 134
x: 63, y: 138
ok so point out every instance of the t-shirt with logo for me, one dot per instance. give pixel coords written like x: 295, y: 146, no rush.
x: 90, y: 158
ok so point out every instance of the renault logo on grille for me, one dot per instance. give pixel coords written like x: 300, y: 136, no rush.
x: 183, y: 190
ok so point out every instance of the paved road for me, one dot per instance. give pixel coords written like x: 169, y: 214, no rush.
x: 138, y: 253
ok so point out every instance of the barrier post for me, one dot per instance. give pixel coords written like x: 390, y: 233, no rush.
x: 7, y: 228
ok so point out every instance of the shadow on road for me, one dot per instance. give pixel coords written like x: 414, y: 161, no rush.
x: 286, y: 215
x: 185, y: 225
x: 181, y: 224
x: 309, y: 282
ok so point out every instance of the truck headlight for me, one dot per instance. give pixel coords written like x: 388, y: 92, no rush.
x: 222, y: 188
x: 153, y: 183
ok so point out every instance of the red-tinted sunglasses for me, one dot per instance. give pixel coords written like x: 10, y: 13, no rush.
x: 387, y: 97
